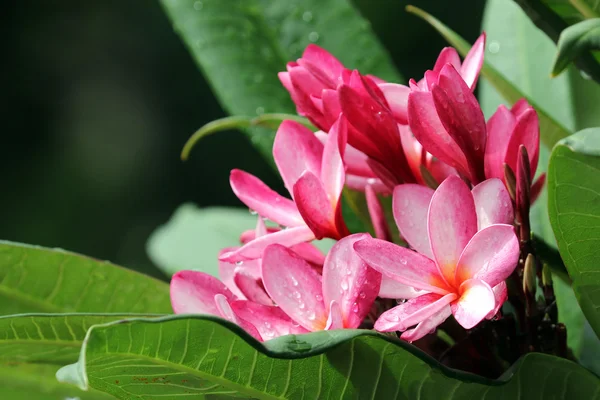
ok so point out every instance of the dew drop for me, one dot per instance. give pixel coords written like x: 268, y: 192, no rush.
x: 252, y: 212
x: 494, y: 47
x: 294, y: 281
x: 371, y: 181
x: 238, y: 263
x: 260, y: 110
x: 344, y: 285
x: 313, y: 37
x: 301, y: 306
x: 403, y: 261
x: 319, y: 297
x: 355, y: 307
x: 362, y: 295
x: 307, y: 16
x: 311, y: 316
x: 297, y: 295
x: 198, y: 5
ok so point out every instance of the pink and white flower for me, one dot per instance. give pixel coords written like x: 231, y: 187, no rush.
x: 465, y: 248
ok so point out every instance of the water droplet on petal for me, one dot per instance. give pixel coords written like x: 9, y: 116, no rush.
x: 403, y: 261
x: 313, y: 37
x: 301, y: 306
x: 294, y: 281
x: 355, y: 307
x: 238, y: 263
x: 311, y: 315
x: 319, y: 297
x: 362, y: 295
x: 344, y: 285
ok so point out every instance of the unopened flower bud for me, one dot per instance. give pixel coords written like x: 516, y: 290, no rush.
x: 511, y: 181
x: 529, y: 278
x: 546, y: 276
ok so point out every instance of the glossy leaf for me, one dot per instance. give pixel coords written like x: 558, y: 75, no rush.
x: 202, y: 355
x: 574, y: 41
x: 38, y: 382
x: 551, y: 129
x: 47, y: 338
x: 240, y: 45
x: 574, y: 206
x: 37, y: 279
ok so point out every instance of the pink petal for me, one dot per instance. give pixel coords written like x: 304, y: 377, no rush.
x: 321, y: 58
x: 452, y: 222
x: 309, y: 252
x: 537, y: 187
x: 305, y: 85
x: 476, y: 301
x: 427, y: 326
x: 331, y: 106
x: 380, y: 226
x: 349, y: 282
x: 461, y: 116
x: 226, y: 312
x: 294, y: 286
x: 253, y: 249
x: 360, y: 183
x: 296, y: 150
x: 429, y: 131
x: 336, y: 318
x: 410, y: 206
x: 193, y: 292
x: 412, y: 149
x: 491, y: 255
x: 492, y: 203
x: 401, y: 264
x: 527, y: 133
x: 354, y: 160
x: 332, y: 169
x: 315, y: 206
x: 270, y: 321
x: 284, y: 77
x: 397, y: 98
x: 500, y: 296
x: 473, y: 62
x: 499, y: 129
x: 392, y: 289
x: 519, y: 107
x: 227, y: 272
x: 266, y: 202
x: 412, y: 312
x: 448, y: 55
x: 252, y: 289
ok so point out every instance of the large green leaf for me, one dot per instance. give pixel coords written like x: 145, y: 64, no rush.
x: 574, y: 41
x: 574, y: 206
x: 38, y: 382
x: 201, y: 355
x: 47, y: 338
x: 241, y: 45
x: 37, y: 279
x: 193, y: 237
x: 552, y: 129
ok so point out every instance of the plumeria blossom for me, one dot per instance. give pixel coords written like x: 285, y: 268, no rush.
x: 313, y: 174
x: 341, y: 298
x: 464, y: 249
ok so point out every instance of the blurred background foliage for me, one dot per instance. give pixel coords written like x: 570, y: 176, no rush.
x: 98, y: 99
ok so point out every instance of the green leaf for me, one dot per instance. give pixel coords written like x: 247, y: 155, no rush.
x: 37, y: 279
x: 551, y: 129
x: 574, y: 207
x: 48, y: 338
x: 241, y: 45
x: 194, y: 236
x: 574, y: 41
x: 38, y: 382
x: 202, y: 355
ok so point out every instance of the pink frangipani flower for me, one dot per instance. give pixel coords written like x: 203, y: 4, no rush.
x: 341, y: 298
x: 313, y: 174
x: 465, y: 249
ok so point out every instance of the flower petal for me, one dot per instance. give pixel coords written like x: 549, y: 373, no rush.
x: 315, y: 206
x: 252, y: 289
x: 332, y: 168
x: 392, y: 289
x: 296, y: 150
x: 360, y: 183
x: 294, y: 286
x: 476, y: 301
x: 226, y: 312
x: 492, y: 203
x: 473, y: 62
x: 527, y: 133
x: 265, y: 201
x: 412, y: 312
x: 227, y: 272
x: 270, y: 321
x: 499, y: 129
x: 193, y: 292
x: 397, y: 98
x: 380, y: 226
x: 410, y: 206
x: 253, y: 249
x: 402, y: 264
x: 500, y: 295
x: 349, y: 282
x: 335, y: 319
x: 427, y: 326
x: 324, y: 60
x: 491, y: 255
x: 425, y: 124
x: 448, y: 55
x: 452, y: 222
x: 537, y: 187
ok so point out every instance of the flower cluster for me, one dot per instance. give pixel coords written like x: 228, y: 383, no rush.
x: 457, y: 181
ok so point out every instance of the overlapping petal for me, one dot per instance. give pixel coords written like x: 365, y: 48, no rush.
x: 194, y: 292
x: 477, y: 300
x: 410, y: 207
x: 492, y: 203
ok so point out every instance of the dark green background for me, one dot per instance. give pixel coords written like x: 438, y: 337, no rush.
x: 98, y: 97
